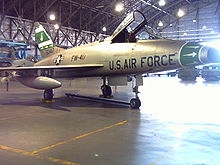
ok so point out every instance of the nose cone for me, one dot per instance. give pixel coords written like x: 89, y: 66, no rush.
x: 213, y: 55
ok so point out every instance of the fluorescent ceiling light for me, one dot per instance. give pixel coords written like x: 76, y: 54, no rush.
x: 162, y: 3
x: 119, y: 7
x: 204, y: 27
x: 56, y: 26
x: 104, y: 29
x: 180, y: 13
x: 52, y: 17
x: 160, y: 24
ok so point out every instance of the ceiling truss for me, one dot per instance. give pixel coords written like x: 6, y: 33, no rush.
x: 85, y: 18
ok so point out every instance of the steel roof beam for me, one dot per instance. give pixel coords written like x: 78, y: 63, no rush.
x: 46, y: 10
x: 71, y: 15
x: 88, y: 7
x: 155, y: 7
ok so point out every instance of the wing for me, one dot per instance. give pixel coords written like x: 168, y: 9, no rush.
x: 53, y: 67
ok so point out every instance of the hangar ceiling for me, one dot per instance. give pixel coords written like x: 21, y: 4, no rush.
x: 92, y: 15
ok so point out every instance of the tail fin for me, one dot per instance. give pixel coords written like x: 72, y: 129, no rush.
x: 44, y: 41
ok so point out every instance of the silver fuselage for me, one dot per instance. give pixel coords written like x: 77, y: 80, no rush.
x: 119, y: 58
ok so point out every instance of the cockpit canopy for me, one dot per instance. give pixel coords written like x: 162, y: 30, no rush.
x: 129, y: 27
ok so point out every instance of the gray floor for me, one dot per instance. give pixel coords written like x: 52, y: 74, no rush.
x: 177, y: 124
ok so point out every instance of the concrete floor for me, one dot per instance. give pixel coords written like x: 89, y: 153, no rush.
x: 177, y: 124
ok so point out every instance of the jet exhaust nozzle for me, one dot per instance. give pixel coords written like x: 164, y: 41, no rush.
x: 209, y: 55
x: 213, y: 55
x: 39, y: 82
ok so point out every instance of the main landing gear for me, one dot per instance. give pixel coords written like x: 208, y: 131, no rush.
x: 48, y: 94
x: 106, y: 89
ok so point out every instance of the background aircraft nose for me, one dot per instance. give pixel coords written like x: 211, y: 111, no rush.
x: 213, y: 55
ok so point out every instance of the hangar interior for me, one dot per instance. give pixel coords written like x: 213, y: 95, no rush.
x: 83, y: 22
x: 177, y: 123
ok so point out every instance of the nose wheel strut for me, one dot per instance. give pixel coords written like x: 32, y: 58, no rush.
x: 135, y: 103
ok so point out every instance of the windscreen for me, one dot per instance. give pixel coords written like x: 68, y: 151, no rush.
x: 128, y: 28
x: 123, y: 24
x: 138, y: 19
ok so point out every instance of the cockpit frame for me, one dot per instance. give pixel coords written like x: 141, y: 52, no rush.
x: 129, y: 27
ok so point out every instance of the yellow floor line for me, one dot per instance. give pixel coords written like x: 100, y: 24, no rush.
x: 18, y: 116
x: 78, y: 137
x: 7, y: 118
x: 22, y: 152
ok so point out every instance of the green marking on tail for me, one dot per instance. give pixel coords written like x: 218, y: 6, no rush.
x: 43, y: 39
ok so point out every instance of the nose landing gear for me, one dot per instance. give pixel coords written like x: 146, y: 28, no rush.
x: 135, y: 103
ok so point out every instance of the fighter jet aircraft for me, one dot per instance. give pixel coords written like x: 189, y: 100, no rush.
x: 116, y: 59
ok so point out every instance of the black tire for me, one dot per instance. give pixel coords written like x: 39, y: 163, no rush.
x: 135, y: 103
x: 106, y: 90
x: 48, y: 94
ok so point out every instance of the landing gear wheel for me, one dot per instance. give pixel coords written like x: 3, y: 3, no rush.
x: 106, y: 90
x: 135, y: 103
x: 48, y: 94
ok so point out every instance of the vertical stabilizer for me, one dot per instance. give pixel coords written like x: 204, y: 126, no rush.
x: 44, y: 41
